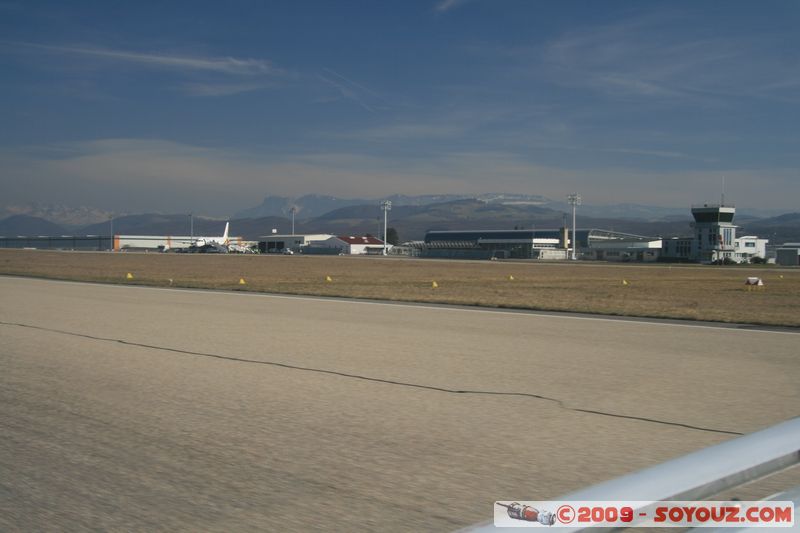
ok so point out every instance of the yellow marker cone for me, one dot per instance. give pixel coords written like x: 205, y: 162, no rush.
x: 781, y: 276
x: 328, y: 278
x: 129, y: 276
x: 624, y: 282
x: 170, y: 281
x: 242, y: 281
x: 510, y: 277
x: 434, y: 285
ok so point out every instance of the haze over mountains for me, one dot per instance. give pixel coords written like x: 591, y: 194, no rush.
x: 63, y: 215
x: 314, y: 205
x: 412, y: 216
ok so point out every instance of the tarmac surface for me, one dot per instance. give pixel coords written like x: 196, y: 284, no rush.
x: 157, y: 409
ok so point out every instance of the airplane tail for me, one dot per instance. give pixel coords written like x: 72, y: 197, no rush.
x: 225, y: 235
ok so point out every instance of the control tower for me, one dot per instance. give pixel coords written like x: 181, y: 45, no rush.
x: 714, y: 232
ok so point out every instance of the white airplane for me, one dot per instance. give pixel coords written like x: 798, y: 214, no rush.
x: 221, y: 244
x: 214, y: 241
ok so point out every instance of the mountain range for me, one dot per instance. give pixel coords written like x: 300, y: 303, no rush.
x: 314, y: 205
x: 411, y: 216
x: 64, y: 216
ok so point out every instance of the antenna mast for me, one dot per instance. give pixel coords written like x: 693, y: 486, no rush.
x: 723, y: 192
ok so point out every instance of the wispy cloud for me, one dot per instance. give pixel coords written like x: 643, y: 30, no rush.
x: 627, y: 84
x: 644, y: 57
x: 539, y: 142
x: 667, y: 154
x: 351, y: 90
x: 206, y: 76
x: 406, y: 131
x: 223, y: 89
x: 225, y: 65
x: 446, y: 5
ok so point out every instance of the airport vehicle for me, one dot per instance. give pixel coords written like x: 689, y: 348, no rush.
x: 241, y: 248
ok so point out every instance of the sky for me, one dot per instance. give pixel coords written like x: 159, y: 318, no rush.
x: 210, y: 106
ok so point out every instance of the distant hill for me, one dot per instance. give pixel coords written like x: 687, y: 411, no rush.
x: 788, y: 219
x: 153, y: 224
x: 780, y: 229
x: 156, y: 224
x: 28, y: 226
x: 308, y: 206
x: 410, y: 220
x: 639, y: 212
x: 65, y: 216
x: 368, y: 211
x: 253, y: 228
x: 315, y: 205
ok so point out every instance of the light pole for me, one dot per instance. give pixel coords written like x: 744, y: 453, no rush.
x: 191, y: 229
x: 293, y: 210
x: 111, y: 222
x: 574, y: 200
x: 386, y: 206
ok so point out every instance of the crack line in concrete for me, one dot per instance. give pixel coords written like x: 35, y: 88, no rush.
x: 560, y: 403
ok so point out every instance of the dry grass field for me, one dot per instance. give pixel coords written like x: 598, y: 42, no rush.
x: 684, y: 292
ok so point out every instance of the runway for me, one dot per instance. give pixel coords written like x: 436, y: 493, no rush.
x: 142, y: 408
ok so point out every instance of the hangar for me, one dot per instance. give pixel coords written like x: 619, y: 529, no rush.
x: 271, y: 244
x: 788, y: 254
x: 539, y: 244
x: 321, y: 244
x: 61, y: 242
x: 355, y: 245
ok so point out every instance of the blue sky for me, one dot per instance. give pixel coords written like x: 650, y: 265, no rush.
x: 209, y: 106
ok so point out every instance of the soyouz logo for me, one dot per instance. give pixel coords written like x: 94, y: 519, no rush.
x: 644, y: 514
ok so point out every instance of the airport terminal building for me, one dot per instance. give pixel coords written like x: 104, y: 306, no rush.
x: 84, y: 243
x: 714, y: 239
x: 275, y: 243
x: 539, y: 244
x: 321, y: 244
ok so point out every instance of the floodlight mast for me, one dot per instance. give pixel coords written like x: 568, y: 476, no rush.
x: 386, y: 206
x: 574, y: 200
x: 293, y: 210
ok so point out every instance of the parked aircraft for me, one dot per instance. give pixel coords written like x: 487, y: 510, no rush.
x: 221, y: 244
x: 213, y: 245
x: 214, y: 241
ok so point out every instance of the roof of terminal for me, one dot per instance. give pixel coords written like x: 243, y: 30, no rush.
x: 365, y: 239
